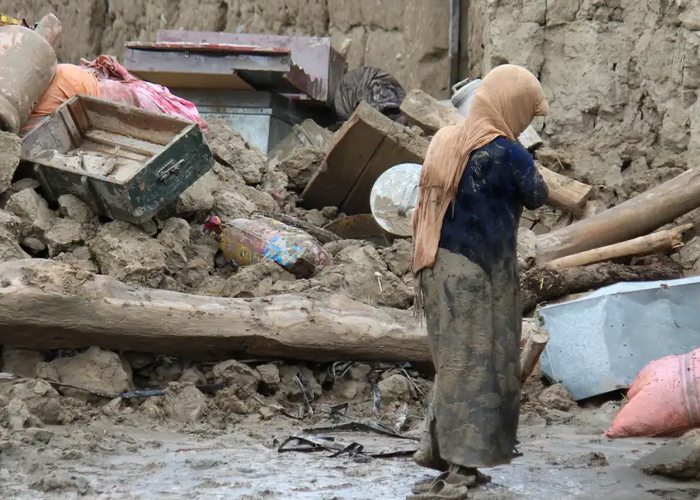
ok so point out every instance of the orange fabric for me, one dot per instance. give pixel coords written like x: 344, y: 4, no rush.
x: 68, y: 81
x: 663, y: 400
x: 505, y: 103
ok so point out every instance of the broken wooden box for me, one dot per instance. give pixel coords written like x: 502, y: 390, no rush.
x: 125, y: 162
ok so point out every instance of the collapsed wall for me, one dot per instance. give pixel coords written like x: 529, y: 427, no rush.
x: 621, y: 77
x: 407, y: 38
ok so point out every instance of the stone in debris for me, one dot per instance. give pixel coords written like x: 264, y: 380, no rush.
x: 20, y: 361
x: 398, y: 256
x: 35, y: 214
x: 62, y: 483
x: 175, y: 238
x: 274, y: 180
x: 10, y: 149
x: 72, y: 207
x: 95, y: 370
x: 290, y: 386
x: 269, y: 377
x: 679, y: 459
x: 527, y: 248
x: 199, y: 197
x: 232, y: 372
x: 301, y: 165
x: 557, y: 397
x: 395, y: 388
x: 314, y: 217
x: 690, y: 257
x: 360, y: 271
x: 192, y: 376
x: 11, y: 223
x: 264, y: 202
x: 256, y: 280
x: 229, y: 148
x: 80, y: 257
x: 233, y: 205
x: 184, y: 403
x: 355, y: 383
x: 126, y: 253
x: 9, y: 247
x: 39, y: 399
x: 64, y: 235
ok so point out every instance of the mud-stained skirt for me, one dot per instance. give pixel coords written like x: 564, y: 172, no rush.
x: 474, y: 322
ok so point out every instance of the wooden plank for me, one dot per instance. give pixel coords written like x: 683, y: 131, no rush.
x: 389, y: 154
x: 128, y: 143
x: 355, y: 148
x: 426, y: 112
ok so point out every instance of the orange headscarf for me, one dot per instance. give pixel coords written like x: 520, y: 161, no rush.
x: 505, y: 103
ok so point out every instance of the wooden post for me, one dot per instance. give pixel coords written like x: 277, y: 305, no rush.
x: 564, y: 192
x: 530, y: 355
x: 631, y: 219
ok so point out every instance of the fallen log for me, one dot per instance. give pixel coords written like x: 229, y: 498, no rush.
x: 50, y: 305
x: 565, y: 193
x: 661, y: 241
x: 424, y: 111
x: 635, y: 217
x: 542, y: 284
x: 530, y: 355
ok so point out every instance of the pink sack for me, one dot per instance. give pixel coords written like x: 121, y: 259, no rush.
x: 663, y: 400
x: 149, y: 96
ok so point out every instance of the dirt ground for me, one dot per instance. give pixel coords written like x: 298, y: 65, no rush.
x: 107, y: 460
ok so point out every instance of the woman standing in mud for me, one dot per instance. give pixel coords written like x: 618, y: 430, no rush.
x: 475, y: 181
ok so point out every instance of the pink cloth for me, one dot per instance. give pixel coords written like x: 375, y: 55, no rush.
x: 119, y: 85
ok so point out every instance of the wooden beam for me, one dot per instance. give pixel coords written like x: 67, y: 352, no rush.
x: 565, y: 193
x: 424, y: 111
x: 635, y: 217
x: 50, y: 305
x: 661, y: 241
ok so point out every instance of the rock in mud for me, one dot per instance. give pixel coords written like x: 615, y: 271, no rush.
x: 269, y: 377
x: 36, y: 397
x: 73, y: 208
x: 192, y: 376
x: 62, y: 483
x: 175, y: 238
x: 9, y: 247
x: 10, y: 148
x: 527, y: 248
x: 301, y: 165
x: 395, y: 389
x: 184, y: 403
x: 199, y: 197
x: 679, y: 459
x: 232, y: 372
x: 20, y: 361
x: 35, y: 215
x: 126, y: 253
x: 275, y: 181
x: 233, y: 205
x: 95, y: 370
x: 291, y: 388
x: 229, y: 148
x: 256, y: 280
x: 557, y: 397
x: 80, y: 257
x: 355, y: 383
x: 361, y: 273
x: 398, y: 256
x: 64, y: 236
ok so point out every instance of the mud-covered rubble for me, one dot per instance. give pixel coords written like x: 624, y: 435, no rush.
x: 80, y: 386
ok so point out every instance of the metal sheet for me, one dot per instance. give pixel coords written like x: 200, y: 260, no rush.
x: 316, y: 67
x: 599, y: 343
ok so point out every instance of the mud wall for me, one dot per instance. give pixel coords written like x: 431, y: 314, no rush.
x: 621, y: 76
x: 408, y: 38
